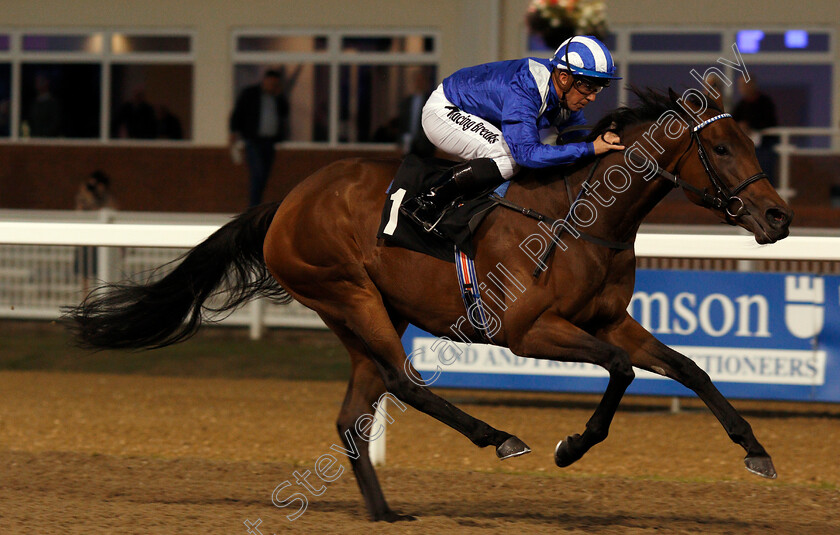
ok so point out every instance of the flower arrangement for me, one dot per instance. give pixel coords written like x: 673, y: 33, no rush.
x: 557, y: 20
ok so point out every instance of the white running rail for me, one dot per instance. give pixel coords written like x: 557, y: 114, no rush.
x: 647, y: 244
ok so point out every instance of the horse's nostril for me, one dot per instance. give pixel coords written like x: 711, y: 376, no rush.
x: 777, y: 217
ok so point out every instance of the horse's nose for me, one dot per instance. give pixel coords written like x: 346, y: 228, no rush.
x: 778, y: 217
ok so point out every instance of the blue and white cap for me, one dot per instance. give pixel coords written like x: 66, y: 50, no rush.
x: 585, y: 55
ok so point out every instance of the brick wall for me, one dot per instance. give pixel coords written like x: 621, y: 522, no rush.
x: 199, y: 179
x: 187, y: 179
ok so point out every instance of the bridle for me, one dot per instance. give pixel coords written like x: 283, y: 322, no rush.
x: 723, y: 198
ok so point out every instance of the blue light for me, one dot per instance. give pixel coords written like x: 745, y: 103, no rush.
x: 796, y: 39
x: 749, y: 41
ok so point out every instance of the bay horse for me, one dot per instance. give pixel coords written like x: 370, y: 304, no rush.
x: 319, y: 247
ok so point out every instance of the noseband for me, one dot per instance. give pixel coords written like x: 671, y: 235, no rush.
x: 723, y: 198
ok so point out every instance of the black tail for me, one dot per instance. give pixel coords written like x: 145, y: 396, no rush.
x: 157, y: 314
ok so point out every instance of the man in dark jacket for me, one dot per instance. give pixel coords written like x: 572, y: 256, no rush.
x: 755, y: 113
x: 259, y: 119
x: 413, y: 139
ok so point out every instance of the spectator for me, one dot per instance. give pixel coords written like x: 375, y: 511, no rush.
x: 94, y: 194
x: 413, y: 138
x: 260, y: 120
x: 168, y: 125
x: 754, y: 113
x: 45, y: 111
x: 135, y: 119
x: 388, y: 132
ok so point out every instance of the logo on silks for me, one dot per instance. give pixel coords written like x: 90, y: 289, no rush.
x: 804, y: 312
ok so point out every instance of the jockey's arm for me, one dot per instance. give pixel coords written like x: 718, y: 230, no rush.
x: 519, y: 127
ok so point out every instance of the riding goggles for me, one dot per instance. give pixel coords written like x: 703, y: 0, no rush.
x: 586, y: 87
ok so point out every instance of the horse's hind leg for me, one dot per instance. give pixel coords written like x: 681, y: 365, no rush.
x: 363, y: 392
x: 650, y: 354
x: 362, y: 312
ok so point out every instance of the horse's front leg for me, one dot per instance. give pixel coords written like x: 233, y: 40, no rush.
x: 648, y: 353
x: 553, y: 338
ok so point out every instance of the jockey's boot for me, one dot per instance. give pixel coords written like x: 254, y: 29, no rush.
x: 463, y: 181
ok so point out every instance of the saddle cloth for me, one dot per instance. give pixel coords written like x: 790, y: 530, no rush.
x: 416, y: 175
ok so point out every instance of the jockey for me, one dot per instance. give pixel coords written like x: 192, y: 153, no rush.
x: 503, y: 115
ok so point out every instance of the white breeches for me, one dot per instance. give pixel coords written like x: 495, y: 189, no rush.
x: 463, y: 134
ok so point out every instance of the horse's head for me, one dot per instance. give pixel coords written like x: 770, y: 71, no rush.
x: 720, y: 162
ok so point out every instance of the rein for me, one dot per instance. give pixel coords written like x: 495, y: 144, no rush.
x: 722, y: 199
x: 527, y: 212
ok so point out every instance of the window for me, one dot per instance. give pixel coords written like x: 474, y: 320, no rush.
x: 341, y: 87
x: 281, y: 43
x: 58, y: 89
x: 802, y: 94
x: 662, y: 76
x: 79, y: 43
x: 60, y: 100
x: 5, y: 99
x: 151, y: 86
x: 122, y: 43
x: 675, y: 42
x: 538, y: 48
x: 151, y: 101
x: 791, y: 65
x: 798, y: 41
x: 372, y: 97
x: 5, y: 88
x: 60, y: 96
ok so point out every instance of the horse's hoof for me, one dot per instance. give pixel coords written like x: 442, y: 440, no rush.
x: 563, y: 455
x: 512, y: 447
x: 762, y: 466
x: 391, y: 517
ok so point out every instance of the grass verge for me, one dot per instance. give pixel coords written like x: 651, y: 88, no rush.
x: 296, y: 354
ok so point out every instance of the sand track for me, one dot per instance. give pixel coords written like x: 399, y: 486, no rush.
x: 87, y: 453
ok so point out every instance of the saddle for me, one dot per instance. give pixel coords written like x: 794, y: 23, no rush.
x: 457, y: 225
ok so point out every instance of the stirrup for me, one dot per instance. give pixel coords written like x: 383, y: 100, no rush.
x: 413, y: 214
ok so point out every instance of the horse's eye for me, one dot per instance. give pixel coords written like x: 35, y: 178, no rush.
x: 721, y: 150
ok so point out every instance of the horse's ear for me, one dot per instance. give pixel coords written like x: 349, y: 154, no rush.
x: 674, y: 97
x: 718, y: 101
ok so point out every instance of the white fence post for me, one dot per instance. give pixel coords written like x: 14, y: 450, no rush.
x: 784, y: 150
x: 257, y: 327
x: 104, y: 256
x: 675, y: 405
x: 376, y: 448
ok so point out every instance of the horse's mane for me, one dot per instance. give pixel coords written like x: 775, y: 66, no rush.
x: 651, y: 105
